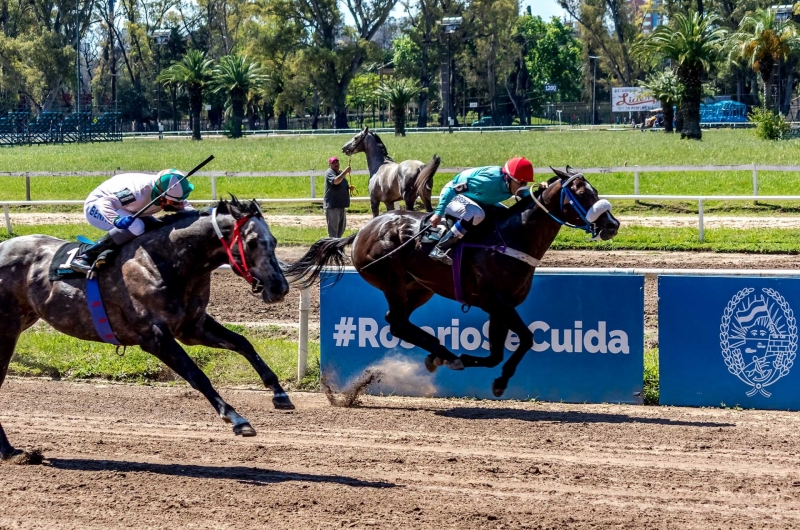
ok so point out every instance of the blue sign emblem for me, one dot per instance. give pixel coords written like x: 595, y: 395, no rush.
x: 758, y: 337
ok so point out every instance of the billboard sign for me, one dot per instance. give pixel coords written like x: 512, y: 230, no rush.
x: 632, y: 99
x: 728, y: 341
x: 586, y: 347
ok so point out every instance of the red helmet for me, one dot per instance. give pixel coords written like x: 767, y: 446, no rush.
x: 519, y: 168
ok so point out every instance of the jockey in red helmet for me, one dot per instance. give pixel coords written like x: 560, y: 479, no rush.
x: 464, y: 196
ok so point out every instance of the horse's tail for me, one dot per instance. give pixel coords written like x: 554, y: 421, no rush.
x: 328, y: 252
x: 425, y: 178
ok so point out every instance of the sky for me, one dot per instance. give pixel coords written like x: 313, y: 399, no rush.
x: 544, y: 8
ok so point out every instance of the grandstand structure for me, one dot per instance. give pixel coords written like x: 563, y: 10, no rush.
x: 17, y: 128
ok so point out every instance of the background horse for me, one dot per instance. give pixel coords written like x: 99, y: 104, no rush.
x: 389, y: 181
x: 156, y: 291
x: 492, y: 281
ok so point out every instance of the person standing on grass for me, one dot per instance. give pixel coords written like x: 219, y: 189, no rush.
x: 337, y: 197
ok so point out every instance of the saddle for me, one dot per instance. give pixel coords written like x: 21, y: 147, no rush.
x: 432, y: 235
x: 60, y: 266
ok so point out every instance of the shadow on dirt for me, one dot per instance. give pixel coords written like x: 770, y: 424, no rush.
x: 247, y: 475
x: 466, y: 413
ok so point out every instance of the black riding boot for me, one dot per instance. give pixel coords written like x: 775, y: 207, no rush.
x: 439, y: 252
x: 84, y: 262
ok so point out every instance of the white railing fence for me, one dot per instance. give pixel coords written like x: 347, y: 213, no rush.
x: 313, y: 174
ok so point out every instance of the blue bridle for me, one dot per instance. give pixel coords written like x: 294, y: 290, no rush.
x: 590, y: 227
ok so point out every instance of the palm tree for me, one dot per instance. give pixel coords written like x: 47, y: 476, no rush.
x: 237, y: 75
x: 399, y: 93
x: 691, y: 42
x: 762, y: 40
x: 665, y: 88
x: 192, y: 73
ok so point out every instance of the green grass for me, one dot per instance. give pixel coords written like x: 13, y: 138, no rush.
x: 579, y: 149
x: 44, y: 352
x: 780, y: 241
x: 651, y: 381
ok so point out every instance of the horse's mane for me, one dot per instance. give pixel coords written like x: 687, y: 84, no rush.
x: 382, y: 147
x: 235, y: 207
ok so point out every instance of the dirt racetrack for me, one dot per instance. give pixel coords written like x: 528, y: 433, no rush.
x: 124, y: 456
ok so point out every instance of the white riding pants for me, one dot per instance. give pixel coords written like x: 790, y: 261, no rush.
x: 95, y: 217
x: 465, y: 209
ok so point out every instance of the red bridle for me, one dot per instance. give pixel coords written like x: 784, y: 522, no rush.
x: 236, y: 238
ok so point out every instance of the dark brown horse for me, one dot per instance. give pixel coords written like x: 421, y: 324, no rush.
x: 155, y: 291
x: 490, y: 280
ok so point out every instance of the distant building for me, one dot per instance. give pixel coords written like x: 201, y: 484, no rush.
x: 648, y: 11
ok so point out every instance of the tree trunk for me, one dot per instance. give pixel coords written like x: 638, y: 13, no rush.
x: 679, y: 118
x: 422, y: 119
x: 693, y: 94
x: 196, y: 103
x: 283, y: 121
x: 400, y: 122
x: 237, y: 108
x: 669, y: 114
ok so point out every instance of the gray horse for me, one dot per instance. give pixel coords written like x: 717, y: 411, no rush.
x: 155, y: 291
x: 389, y: 181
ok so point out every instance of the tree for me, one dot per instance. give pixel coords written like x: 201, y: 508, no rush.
x: 192, y: 74
x: 665, y: 88
x: 399, y: 93
x: 335, y: 52
x: 236, y: 76
x: 762, y: 41
x: 692, y: 43
x: 553, y: 56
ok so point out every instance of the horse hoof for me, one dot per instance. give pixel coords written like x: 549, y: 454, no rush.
x: 430, y: 363
x: 455, y: 364
x: 282, y: 403
x: 498, y: 388
x: 245, y: 429
x: 12, y: 453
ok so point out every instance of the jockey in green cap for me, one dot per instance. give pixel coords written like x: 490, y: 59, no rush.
x: 112, y: 205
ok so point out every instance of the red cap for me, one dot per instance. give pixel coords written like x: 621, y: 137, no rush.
x: 332, y: 159
x: 519, y: 168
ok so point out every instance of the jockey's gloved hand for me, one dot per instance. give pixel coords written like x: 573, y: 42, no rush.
x: 123, y: 223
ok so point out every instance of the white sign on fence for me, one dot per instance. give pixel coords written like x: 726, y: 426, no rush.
x: 632, y: 99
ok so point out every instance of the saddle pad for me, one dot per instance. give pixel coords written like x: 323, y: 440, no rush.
x: 59, y: 267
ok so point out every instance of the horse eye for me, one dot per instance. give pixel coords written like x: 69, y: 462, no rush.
x: 252, y: 244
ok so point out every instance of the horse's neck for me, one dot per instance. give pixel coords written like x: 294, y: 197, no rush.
x: 375, y: 158
x: 539, y: 229
x: 196, y: 246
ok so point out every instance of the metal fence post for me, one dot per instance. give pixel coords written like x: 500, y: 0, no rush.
x: 700, y: 227
x: 27, y: 186
x: 636, y: 184
x: 8, y: 219
x: 214, y: 187
x: 755, y: 182
x: 313, y: 185
x: 302, y: 341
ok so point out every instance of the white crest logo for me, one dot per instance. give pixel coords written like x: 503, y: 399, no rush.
x: 758, y: 337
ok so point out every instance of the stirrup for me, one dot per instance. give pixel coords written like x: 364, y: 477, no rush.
x: 81, y: 265
x: 438, y: 255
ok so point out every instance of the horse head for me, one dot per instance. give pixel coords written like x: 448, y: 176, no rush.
x: 251, y: 247
x: 571, y: 199
x: 356, y: 145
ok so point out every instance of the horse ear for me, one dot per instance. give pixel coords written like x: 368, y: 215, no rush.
x: 560, y: 173
x: 366, y: 129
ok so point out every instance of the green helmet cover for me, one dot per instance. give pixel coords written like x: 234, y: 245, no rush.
x: 167, y: 178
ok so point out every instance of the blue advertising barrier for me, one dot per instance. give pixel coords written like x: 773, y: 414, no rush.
x: 588, y: 332
x: 728, y: 341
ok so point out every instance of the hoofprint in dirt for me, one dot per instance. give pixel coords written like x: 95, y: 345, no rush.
x: 357, y: 221
x: 120, y: 456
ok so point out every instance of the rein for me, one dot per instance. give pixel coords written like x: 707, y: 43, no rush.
x: 236, y: 237
x: 588, y: 217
